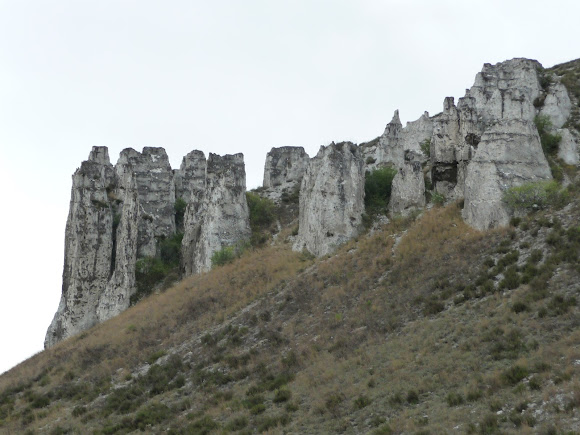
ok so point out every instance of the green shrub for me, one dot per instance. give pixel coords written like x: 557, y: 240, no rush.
x: 148, y: 272
x: 262, y: 215
x: 228, y: 254
x: 237, y: 423
x: 426, y: 147
x: 361, y: 402
x: 151, y: 415
x: 514, y: 374
x: 282, y: 395
x: 412, y: 397
x: 378, y: 189
x: 437, y: 198
x: 170, y: 250
x: 533, y: 196
x: 550, y: 142
x: 180, y: 206
x: 454, y: 399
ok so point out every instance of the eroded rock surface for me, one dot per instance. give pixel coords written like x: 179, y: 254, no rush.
x: 408, y: 189
x: 508, y: 155
x: 217, y: 216
x: 331, y: 199
x: 190, y: 177
x: 568, y: 149
x: 283, y: 172
x: 88, y: 247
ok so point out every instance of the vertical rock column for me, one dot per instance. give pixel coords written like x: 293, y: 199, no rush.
x: 283, y: 171
x: 508, y: 155
x: 156, y: 194
x: 88, y: 247
x: 217, y: 215
x: 331, y: 199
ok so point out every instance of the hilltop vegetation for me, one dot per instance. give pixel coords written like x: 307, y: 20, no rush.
x: 424, y: 326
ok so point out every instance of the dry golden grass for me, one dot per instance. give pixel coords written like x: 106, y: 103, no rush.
x: 348, y: 335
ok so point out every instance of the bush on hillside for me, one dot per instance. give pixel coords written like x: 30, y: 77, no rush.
x: 550, y: 142
x: 378, y: 189
x: 534, y: 196
x: 262, y: 216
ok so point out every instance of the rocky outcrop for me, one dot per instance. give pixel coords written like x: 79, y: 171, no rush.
x: 508, y: 155
x: 331, y: 199
x: 88, y: 247
x: 506, y: 90
x: 389, y: 149
x: 556, y: 104
x: 283, y: 172
x: 120, y: 214
x: 190, y: 177
x: 156, y: 192
x: 115, y: 298
x: 217, y: 216
x: 568, y: 149
x: 408, y: 188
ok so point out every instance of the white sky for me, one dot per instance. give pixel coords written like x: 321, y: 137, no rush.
x: 223, y: 76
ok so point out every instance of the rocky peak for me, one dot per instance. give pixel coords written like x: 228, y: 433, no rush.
x: 100, y: 155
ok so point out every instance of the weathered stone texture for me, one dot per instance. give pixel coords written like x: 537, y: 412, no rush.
x: 408, y: 189
x: 88, y: 248
x: 331, y: 199
x: 190, y: 177
x: 568, y: 149
x: 557, y: 104
x: 156, y: 192
x: 508, y: 155
x: 283, y: 171
x: 218, y: 214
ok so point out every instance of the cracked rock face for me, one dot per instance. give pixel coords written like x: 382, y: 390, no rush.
x: 331, y: 199
x: 117, y: 215
x: 408, y: 189
x: 156, y: 191
x: 283, y: 171
x: 389, y: 149
x: 568, y: 149
x: 190, y: 177
x: 218, y: 215
x: 509, y: 155
x: 88, y: 247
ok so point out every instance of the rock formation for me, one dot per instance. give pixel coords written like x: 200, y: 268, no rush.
x: 508, y: 155
x: 121, y: 214
x: 568, y: 149
x: 477, y: 149
x: 190, y: 177
x: 331, y: 199
x: 408, y: 188
x: 88, y: 247
x: 156, y: 191
x: 217, y: 216
x: 390, y: 148
x: 283, y: 171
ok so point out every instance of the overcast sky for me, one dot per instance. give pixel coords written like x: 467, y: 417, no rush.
x: 221, y: 76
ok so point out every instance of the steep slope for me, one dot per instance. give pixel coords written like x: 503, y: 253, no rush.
x: 424, y: 326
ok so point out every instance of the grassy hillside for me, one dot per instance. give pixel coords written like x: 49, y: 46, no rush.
x: 423, y: 326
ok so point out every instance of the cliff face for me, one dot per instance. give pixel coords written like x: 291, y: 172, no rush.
x: 217, y: 216
x: 331, y: 199
x: 88, y: 247
x: 121, y: 214
x: 474, y: 151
